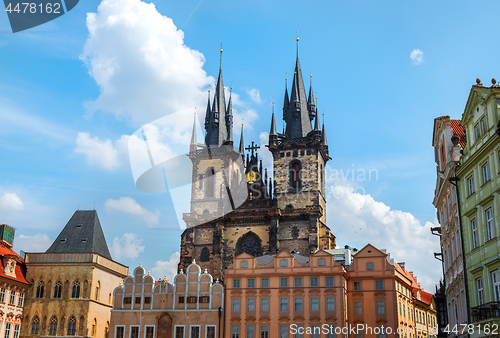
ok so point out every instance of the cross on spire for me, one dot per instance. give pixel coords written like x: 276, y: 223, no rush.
x: 253, y: 147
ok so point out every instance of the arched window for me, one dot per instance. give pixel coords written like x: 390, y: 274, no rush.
x: 106, y: 330
x: 109, y: 298
x: 53, y: 326
x: 97, y: 290
x: 205, y: 255
x: 295, y: 232
x: 72, y: 326
x: 210, y: 182
x: 58, y: 289
x: 94, y: 326
x: 295, y: 168
x: 39, y: 289
x: 75, y: 293
x: 35, y: 325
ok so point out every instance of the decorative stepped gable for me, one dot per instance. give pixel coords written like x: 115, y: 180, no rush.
x: 82, y: 234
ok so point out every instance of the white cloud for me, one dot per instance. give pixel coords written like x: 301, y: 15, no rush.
x: 34, y: 243
x: 359, y: 218
x: 11, y: 202
x: 128, y: 205
x: 254, y: 95
x: 140, y: 62
x: 417, y: 56
x: 166, y: 268
x: 126, y: 247
x: 101, y: 153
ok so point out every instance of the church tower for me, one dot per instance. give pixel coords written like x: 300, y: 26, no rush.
x: 300, y: 154
x: 236, y: 206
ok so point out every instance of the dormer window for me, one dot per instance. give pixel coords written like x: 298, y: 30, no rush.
x: 84, y: 240
x: 78, y: 226
x: 63, y: 240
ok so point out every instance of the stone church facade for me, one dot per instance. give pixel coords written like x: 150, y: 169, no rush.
x: 237, y: 207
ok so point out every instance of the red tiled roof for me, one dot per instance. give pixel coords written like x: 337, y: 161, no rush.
x: 441, y: 117
x: 5, y: 251
x: 425, y: 297
x: 459, y: 130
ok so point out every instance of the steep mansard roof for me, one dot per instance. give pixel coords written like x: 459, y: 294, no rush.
x: 82, y: 234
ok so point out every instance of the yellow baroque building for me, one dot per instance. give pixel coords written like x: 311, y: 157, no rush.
x: 72, y: 283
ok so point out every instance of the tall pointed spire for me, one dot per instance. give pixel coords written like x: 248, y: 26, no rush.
x: 242, y: 143
x: 217, y: 131
x: 273, y: 132
x: 298, y: 122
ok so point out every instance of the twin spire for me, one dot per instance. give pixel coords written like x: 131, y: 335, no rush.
x: 299, y: 110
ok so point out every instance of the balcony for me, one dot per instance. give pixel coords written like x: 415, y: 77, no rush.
x: 485, y: 311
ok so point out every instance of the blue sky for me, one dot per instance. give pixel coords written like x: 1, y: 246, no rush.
x: 64, y: 115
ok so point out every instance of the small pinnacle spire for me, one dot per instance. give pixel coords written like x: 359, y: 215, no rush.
x: 323, y: 134
x: 273, y: 125
x: 316, y: 124
x: 229, y: 116
x: 242, y: 143
x: 193, y: 134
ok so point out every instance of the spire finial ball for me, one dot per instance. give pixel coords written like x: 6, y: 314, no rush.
x: 478, y: 80
x: 493, y: 81
x: 297, y: 39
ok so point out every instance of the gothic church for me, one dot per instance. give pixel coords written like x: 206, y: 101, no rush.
x: 285, y: 212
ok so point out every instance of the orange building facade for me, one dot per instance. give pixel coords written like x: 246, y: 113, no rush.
x: 287, y: 296
x: 284, y: 294
x: 190, y: 307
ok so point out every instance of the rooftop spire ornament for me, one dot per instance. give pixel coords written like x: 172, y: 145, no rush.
x: 297, y: 39
x: 220, y: 55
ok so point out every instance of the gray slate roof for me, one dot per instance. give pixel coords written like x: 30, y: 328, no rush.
x: 82, y: 234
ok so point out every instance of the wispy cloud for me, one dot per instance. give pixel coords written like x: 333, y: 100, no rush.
x: 129, y: 206
x: 11, y: 202
x: 15, y: 120
x: 417, y: 56
x: 254, y: 95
